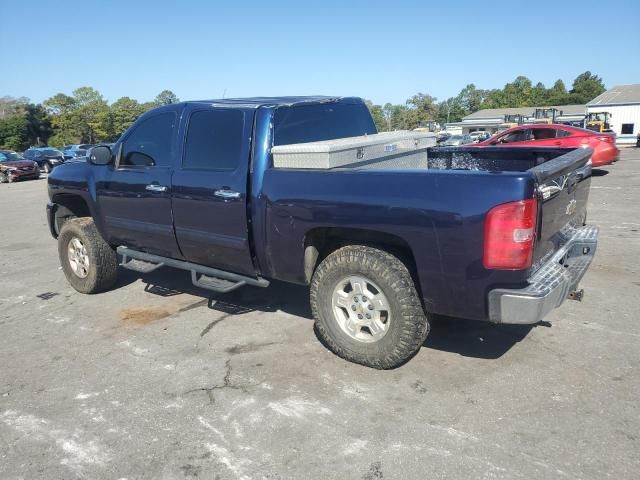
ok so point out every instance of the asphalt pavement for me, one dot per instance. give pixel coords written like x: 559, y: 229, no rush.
x: 157, y: 379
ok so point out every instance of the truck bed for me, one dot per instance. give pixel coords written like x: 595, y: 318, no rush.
x: 438, y: 212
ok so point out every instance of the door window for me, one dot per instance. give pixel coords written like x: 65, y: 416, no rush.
x: 562, y: 133
x: 517, y: 136
x: 543, y: 133
x: 214, y: 140
x: 151, y: 143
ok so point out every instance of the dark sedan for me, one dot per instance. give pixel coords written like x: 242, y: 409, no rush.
x: 14, y: 167
x: 47, y: 158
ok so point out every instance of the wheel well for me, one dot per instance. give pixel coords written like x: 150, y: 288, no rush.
x: 321, y: 242
x: 69, y: 206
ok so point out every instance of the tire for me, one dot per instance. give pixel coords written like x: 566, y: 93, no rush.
x: 405, y: 325
x: 91, y: 266
x: 4, y: 178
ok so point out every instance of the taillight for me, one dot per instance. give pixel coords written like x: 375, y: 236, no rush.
x: 605, y: 138
x: 509, y: 234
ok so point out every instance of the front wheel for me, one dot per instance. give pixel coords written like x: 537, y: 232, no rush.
x: 366, y: 307
x: 88, y: 262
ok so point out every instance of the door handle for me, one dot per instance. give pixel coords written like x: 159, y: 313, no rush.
x: 156, y: 188
x: 224, y: 193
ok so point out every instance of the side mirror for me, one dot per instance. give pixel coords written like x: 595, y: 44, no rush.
x: 100, y: 155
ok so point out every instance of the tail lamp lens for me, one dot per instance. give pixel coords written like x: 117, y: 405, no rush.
x: 509, y: 235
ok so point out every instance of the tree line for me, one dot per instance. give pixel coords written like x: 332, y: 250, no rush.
x: 86, y: 117
x: 422, y: 108
x: 82, y: 117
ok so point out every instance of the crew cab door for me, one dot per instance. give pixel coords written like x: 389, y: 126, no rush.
x: 134, y: 194
x: 209, y: 192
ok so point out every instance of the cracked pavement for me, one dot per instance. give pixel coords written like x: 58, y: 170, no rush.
x: 160, y: 380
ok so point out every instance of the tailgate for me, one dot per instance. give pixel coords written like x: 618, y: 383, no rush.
x: 563, y: 192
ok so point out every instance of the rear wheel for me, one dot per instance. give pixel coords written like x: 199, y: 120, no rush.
x: 88, y: 262
x: 366, y: 307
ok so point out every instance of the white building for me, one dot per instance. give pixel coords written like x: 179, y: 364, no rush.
x: 623, y: 103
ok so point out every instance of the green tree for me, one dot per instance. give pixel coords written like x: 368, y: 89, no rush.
x: 38, y: 124
x: 62, y: 109
x: 377, y: 114
x: 14, y: 132
x: 558, y: 94
x: 80, y: 118
x: 421, y: 108
x: 91, y: 111
x: 470, y: 98
x: 540, y: 96
x: 586, y: 87
x: 122, y: 113
x: 165, y: 97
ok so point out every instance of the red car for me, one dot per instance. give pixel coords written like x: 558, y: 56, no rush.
x: 603, y: 145
x: 14, y: 167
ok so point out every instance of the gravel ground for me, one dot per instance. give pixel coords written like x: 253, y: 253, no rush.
x: 160, y: 380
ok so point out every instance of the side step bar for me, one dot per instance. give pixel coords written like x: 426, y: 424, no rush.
x: 201, y: 276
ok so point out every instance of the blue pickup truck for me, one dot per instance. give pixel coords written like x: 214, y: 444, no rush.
x: 495, y: 233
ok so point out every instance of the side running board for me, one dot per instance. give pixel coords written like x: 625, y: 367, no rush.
x: 201, y: 276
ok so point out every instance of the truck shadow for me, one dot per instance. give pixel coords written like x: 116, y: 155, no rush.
x: 468, y: 338
x: 472, y: 338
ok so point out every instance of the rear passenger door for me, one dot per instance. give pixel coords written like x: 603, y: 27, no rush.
x: 209, y: 188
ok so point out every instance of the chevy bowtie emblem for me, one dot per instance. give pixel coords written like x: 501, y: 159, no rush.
x: 571, y: 207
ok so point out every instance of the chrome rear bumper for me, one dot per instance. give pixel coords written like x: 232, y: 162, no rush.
x: 550, y: 285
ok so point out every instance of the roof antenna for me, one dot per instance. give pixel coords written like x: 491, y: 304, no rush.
x: 224, y: 93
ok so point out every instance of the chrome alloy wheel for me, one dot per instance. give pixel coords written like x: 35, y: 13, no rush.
x: 78, y: 258
x: 361, y: 309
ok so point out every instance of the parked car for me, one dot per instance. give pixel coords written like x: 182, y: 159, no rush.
x: 14, y: 166
x: 603, y: 145
x: 47, y: 158
x: 441, y: 137
x: 75, y: 151
x: 479, y: 136
x: 448, y: 239
x: 69, y: 154
x: 457, y: 140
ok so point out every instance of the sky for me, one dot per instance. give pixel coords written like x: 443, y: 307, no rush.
x: 383, y: 51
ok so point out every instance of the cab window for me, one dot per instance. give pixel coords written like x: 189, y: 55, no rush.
x: 517, y: 136
x: 214, y: 140
x: 151, y: 143
x: 543, y: 133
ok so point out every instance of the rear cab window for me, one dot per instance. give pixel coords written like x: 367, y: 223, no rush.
x: 318, y: 122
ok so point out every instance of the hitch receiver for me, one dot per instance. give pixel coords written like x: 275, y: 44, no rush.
x: 576, y: 295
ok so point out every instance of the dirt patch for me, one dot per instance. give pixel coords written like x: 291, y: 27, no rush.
x: 144, y: 315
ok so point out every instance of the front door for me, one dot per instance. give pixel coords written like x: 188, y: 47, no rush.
x: 134, y: 195
x: 210, y: 188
